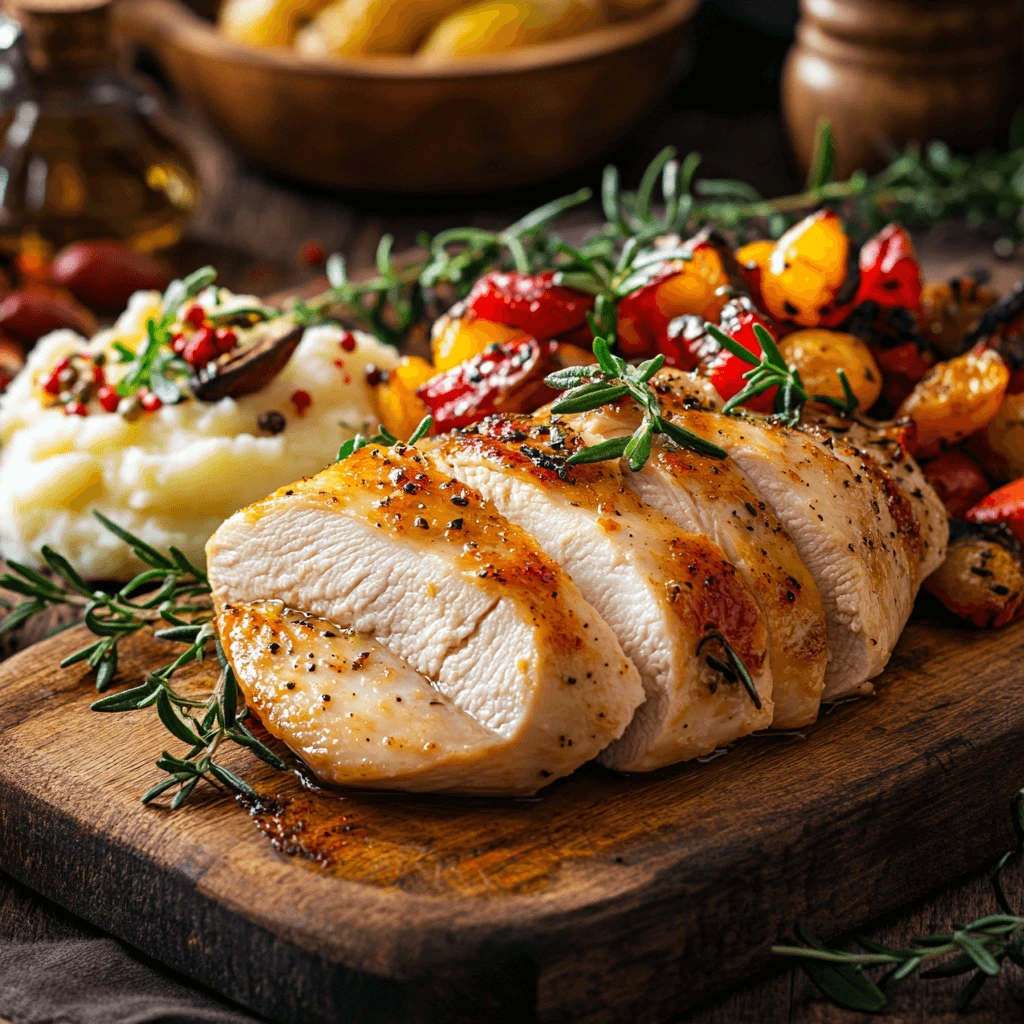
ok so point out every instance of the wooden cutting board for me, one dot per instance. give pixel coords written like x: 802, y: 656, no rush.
x: 605, y: 899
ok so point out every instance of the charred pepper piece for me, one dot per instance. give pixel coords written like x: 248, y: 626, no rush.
x: 532, y: 302
x: 698, y: 286
x: 505, y: 377
x: 1004, y: 505
x: 724, y: 369
x: 811, y: 278
x: 889, y: 271
x: 950, y: 309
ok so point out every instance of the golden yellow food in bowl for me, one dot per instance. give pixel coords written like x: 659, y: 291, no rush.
x: 406, y: 122
x: 435, y: 30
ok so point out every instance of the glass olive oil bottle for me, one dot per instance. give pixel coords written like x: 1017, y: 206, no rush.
x: 82, y: 154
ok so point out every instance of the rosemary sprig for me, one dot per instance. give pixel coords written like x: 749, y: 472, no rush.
x: 527, y: 244
x: 176, y: 593
x: 383, y: 437
x: 771, y: 371
x: 920, y: 187
x: 611, y: 379
x: 979, y: 948
x: 392, y: 302
x: 735, y: 669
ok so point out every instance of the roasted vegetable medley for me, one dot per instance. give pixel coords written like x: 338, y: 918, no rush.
x: 433, y: 30
x: 944, y: 361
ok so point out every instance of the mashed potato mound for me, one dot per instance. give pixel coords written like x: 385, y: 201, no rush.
x: 171, y: 476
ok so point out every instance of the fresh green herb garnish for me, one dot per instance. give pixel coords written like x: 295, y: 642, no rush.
x: 383, y: 437
x: 979, y: 949
x: 919, y: 188
x: 611, y: 379
x: 771, y: 371
x: 735, y: 669
x: 176, y: 593
x: 155, y: 366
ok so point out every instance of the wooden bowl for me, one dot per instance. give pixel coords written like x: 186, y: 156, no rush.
x: 391, y: 124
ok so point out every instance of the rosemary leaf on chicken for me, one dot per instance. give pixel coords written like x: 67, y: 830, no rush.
x: 771, y: 371
x: 609, y: 380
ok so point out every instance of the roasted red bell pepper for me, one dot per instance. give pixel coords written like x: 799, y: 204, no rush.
x: 889, y: 272
x: 504, y: 378
x: 726, y: 370
x: 1004, y: 505
x: 532, y: 302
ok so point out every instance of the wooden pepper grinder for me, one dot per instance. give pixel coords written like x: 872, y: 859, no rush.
x: 901, y: 70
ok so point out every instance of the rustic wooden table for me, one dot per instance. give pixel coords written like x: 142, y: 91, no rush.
x: 254, y: 228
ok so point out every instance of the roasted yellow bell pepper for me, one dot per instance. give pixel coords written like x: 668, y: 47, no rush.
x: 400, y: 408
x: 808, y: 275
x: 456, y: 339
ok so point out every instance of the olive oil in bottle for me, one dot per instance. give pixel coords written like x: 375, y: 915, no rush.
x: 82, y: 153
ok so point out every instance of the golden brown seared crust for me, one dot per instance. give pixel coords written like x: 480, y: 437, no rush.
x: 702, y: 585
x: 388, y: 545
x: 841, y: 518
x: 785, y: 588
x: 681, y: 394
x: 867, y: 479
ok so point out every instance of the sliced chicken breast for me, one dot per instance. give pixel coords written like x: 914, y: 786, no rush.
x: 668, y: 595
x: 386, y: 544
x: 712, y: 497
x: 839, y: 520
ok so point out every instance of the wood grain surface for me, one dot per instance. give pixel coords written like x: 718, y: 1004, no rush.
x: 606, y: 899
x: 252, y: 227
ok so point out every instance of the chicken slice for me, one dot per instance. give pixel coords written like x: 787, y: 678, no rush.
x: 860, y: 441
x: 668, y: 595
x: 712, y: 497
x: 839, y: 520
x: 386, y: 544
x: 357, y: 714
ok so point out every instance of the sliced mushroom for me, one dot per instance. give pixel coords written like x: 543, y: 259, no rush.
x: 258, y: 359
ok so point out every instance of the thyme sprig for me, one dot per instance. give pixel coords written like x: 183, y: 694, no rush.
x: 609, y: 380
x: 920, y: 187
x: 771, y: 371
x: 979, y: 949
x: 171, y: 591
